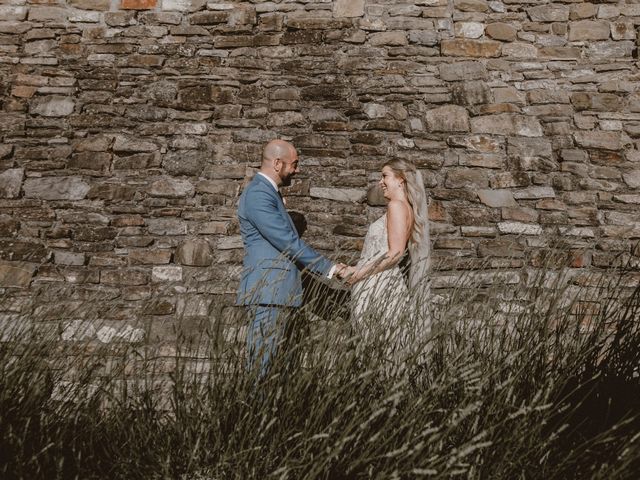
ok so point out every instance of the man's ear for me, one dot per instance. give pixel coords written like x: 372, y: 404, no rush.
x: 277, y: 164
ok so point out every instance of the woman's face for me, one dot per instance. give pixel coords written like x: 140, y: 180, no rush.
x: 390, y: 183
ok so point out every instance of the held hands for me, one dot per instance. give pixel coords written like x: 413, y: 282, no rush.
x: 347, y: 273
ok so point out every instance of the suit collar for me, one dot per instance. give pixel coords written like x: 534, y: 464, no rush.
x: 264, y: 177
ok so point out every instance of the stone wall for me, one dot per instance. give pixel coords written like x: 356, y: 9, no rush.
x: 128, y: 128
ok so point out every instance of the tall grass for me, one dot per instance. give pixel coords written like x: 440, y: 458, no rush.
x: 538, y: 379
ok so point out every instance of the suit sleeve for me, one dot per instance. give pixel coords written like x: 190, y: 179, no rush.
x: 263, y: 213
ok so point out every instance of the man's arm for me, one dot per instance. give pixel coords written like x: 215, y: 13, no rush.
x: 263, y: 213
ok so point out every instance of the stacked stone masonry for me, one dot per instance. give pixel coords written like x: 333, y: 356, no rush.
x: 129, y: 127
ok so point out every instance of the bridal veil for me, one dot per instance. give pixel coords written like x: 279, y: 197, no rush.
x: 420, y: 255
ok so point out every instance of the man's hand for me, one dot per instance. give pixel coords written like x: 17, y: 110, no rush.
x: 344, y: 270
x: 346, y: 273
x: 340, y: 268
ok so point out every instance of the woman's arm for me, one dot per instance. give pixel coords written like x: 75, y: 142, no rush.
x: 398, y: 230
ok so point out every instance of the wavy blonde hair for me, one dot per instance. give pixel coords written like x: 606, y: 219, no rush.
x: 416, y: 196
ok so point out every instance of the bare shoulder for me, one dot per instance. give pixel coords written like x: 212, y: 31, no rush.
x: 398, y: 225
x: 398, y: 208
x: 398, y: 216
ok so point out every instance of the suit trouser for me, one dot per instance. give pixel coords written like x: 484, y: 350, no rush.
x: 266, y: 334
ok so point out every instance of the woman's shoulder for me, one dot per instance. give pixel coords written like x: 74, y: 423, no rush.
x: 398, y: 207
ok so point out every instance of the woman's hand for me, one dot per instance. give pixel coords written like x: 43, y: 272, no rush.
x: 346, y: 273
x: 353, y: 275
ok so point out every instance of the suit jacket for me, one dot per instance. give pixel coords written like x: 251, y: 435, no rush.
x: 274, y: 252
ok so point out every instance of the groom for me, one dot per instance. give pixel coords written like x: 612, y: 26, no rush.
x: 270, y: 284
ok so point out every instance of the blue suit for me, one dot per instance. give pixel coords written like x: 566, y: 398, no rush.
x: 274, y: 255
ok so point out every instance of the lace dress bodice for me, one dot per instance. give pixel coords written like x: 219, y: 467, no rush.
x: 376, y: 242
x: 385, y: 293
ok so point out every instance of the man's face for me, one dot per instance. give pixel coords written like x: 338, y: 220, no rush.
x: 288, y: 167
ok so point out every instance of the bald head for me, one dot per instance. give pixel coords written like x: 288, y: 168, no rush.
x: 279, y: 161
x: 276, y: 149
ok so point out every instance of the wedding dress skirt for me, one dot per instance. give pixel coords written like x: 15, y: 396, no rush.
x: 381, y: 307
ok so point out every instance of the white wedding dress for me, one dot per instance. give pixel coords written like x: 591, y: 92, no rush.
x: 386, y: 292
x: 381, y: 306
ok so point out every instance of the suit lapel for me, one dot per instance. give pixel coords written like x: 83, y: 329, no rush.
x: 281, y: 206
x: 283, y: 209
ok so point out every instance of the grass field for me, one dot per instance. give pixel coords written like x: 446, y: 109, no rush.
x: 513, y: 382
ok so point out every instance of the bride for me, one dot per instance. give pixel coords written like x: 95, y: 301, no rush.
x: 386, y: 307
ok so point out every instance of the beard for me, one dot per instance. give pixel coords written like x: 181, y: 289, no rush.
x: 286, y: 181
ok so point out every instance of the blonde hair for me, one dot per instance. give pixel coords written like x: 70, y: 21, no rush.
x: 416, y: 196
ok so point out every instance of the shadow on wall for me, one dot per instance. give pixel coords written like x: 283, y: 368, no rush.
x: 299, y: 221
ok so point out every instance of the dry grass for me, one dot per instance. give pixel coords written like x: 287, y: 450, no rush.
x: 513, y: 381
